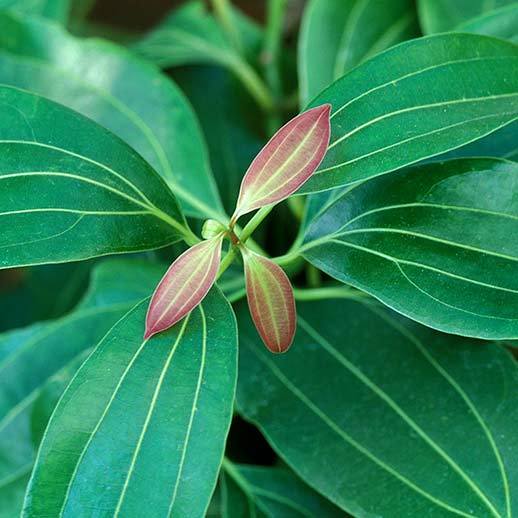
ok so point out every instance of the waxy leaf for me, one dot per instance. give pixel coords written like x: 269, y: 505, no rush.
x: 406, y: 421
x: 271, y: 302
x: 446, y: 15
x: 71, y: 190
x: 141, y: 412
x: 131, y: 98
x: 286, y: 162
x: 337, y: 35
x: 184, y: 285
x: 40, y: 358
x: 414, y: 101
x: 436, y: 243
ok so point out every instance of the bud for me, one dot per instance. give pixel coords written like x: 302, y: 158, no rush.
x: 211, y: 228
x: 184, y: 285
x: 286, y: 162
x: 271, y: 302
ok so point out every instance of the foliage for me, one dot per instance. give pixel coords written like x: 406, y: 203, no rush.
x: 374, y: 236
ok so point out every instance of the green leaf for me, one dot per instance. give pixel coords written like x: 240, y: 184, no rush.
x: 130, y: 98
x: 445, y: 15
x: 56, y: 10
x: 36, y: 362
x: 269, y: 491
x: 191, y: 35
x: 337, y: 35
x: 158, y: 410
x: 502, y: 23
x: 71, y: 190
x: 414, y: 101
x: 409, y: 422
x: 433, y: 243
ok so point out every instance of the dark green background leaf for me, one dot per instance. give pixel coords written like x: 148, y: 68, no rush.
x: 445, y: 15
x: 71, y: 190
x: 502, y: 23
x: 416, y: 100
x: 129, y: 97
x: 409, y: 422
x: 336, y: 35
x: 158, y: 413
x: 268, y: 492
x: 432, y: 242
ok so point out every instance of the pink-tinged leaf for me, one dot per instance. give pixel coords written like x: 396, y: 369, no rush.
x: 184, y: 285
x: 286, y: 162
x: 271, y: 302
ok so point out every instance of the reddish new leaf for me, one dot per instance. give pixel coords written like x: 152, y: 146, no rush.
x: 286, y: 162
x: 184, y: 285
x: 271, y: 302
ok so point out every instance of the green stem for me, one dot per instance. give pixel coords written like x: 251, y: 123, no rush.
x: 255, y: 222
x: 330, y: 292
x: 236, y: 295
x: 253, y: 83
x: 271, y: 51
x: 288, y: 259
x: 223, y: 12
x: 227, y: 261
x: 313, y: 276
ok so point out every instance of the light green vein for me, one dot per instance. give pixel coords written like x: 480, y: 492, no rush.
x: 338, y: 356
x: 193, y: 409
x: 149, y: 415
x: 347, y: 438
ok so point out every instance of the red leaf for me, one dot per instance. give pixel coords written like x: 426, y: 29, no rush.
x: 184, y: 285
x: 271, y: 302
x: 286, y: 162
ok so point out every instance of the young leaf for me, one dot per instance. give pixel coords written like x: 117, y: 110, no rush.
x: 287, y: 160
x: 184, y: 285
x: 271, y: 302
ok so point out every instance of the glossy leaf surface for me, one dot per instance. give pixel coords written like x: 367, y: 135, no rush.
x: 125, y: 95
x: 502, y: 23
x: 432, y: 242
x: 271, y: 302
x: 337, y: 35
x: 167, y: 403
x: 184, y: 285
x: 445, y: 15
x: 398, y: 419
x: 71, y: 190
x: 286, y: 162
x: 37, y: 361
x: 262, y: 491
x: 414, y: 101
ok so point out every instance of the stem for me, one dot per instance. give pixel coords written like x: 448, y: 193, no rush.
x: 255, y: 222
x: 188, y: 235
x: 271, y: 51
x: 330, y: 292
x: 287, y: 259
x: 227, y: 261
x: 223, y: 12
x: 236, y: 295
x: 297, y: 206
x: 253, y: 83
x: 313, y: 276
